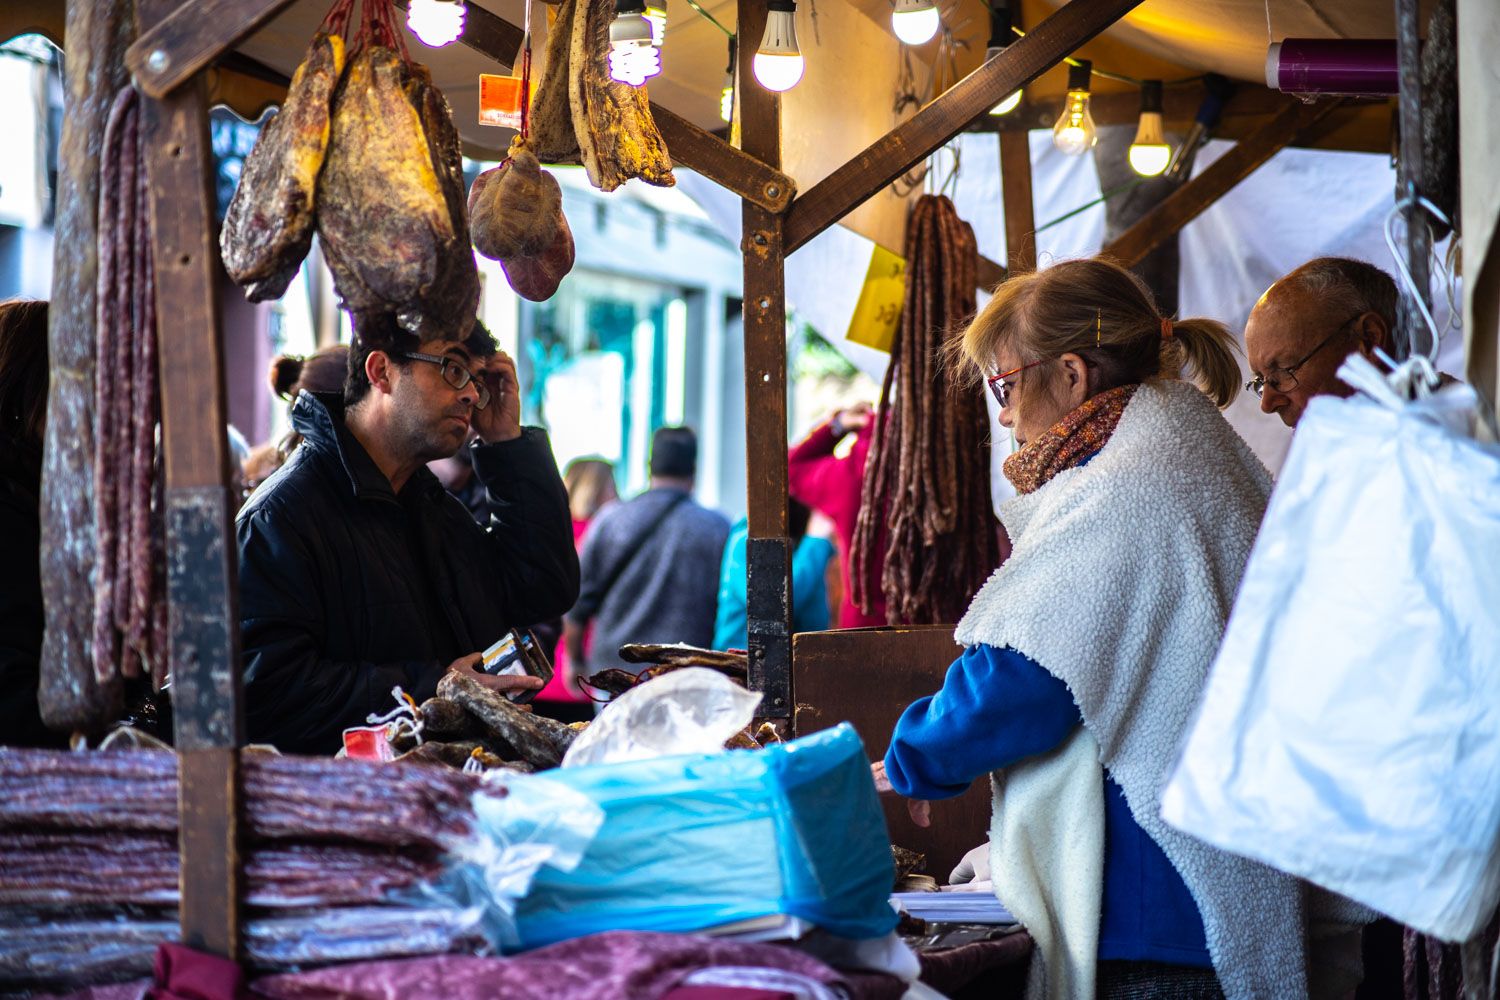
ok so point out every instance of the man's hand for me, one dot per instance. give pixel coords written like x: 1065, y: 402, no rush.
x: 855, y: 418
x: 920, y: 810
x: 501, y: 419
x: 500, y: 685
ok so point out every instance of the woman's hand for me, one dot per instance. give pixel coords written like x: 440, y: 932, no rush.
x: 920, y: 810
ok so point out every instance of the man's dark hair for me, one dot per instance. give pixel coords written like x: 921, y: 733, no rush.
x: 674, y: 452
x: 379, y: 331
x: 23, y: 376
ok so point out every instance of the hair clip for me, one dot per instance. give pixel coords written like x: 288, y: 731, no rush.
x: 1098, y: 326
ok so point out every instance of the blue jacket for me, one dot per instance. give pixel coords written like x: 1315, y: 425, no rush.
x: 998, y: 706
x: 809, y: 588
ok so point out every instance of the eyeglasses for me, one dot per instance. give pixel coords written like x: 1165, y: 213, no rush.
x: 1002, y: 389
x: 1285, y: 379
x: 455, y: 375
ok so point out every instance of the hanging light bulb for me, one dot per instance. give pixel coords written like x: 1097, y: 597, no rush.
x: 1074, y: 133
x: 656, y: 13
x: 436, y: 22
x: 632, y: 57
x: 1150, y: 154
x: 778, y: 63
x: 726, y: 98
x: 1000, y: 37
x: 915, y: 21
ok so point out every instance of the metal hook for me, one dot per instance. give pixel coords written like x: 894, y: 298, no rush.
x: 1411, y: 201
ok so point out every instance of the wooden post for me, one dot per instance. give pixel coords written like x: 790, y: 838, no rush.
x: 201, y: 566
x: 768, y: 551
x: 1193, y: 198
x: 1016, y: 200
x: 1412, y: 333
x: 1479, y: 163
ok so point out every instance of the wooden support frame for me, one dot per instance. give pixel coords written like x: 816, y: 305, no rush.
x: 1016, y: 201
x: 898, y: 151
x: 1412, y: 332
x: 202, y: 579
x: 1193, y: 198
x: 768, y: 585
x: 187, y: 36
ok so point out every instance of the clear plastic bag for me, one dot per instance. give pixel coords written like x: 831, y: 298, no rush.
x: 1350, y: 729
x: 692, y: 710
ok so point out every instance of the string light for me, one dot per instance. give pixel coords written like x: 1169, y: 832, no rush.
x: 915, y: 21
x: 1000, y: 37
x: 1150, y: 154
x: 632, y: 57
x: 436, y: 22
x: 778, y: 63
x: 726, y: 98
x: 1074, y: 133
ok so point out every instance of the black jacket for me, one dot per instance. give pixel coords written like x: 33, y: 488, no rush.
x: 347, y: 589
x: 21, y: 601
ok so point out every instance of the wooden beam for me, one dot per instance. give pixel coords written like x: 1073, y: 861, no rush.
x: 1016, y: 201
x: 202, y: 579
x: 916, y: 139
x: 1411, y: 331
x: 768, y: 551
x: 1179, y: 106
x: 191, y: 36
x: 1189, y: 201
x: 690, y: 146
x: 990, y: 274
x: 720, y: 162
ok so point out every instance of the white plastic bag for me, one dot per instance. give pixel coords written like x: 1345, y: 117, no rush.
x: 1350, y: 729
x: 692, y: 710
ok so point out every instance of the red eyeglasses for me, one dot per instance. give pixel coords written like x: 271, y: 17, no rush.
x: 1001, y: 389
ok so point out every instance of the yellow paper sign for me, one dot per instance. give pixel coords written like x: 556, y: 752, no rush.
x: 500, y: 100
x: 877, y: 314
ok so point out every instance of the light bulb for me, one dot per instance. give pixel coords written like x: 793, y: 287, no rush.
x: 1075, y: 134
x: 436, y: 22
x: 656, y: 13
x: 778, y: 64
x: 1007, y: 105
x: 915, y: 21
x: 1150, y: 154
x: 632, y: 57
x: 726, y: 96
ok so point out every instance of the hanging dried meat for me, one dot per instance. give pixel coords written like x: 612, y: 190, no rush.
x: 71, y: 697
x: 515, y: 208
x: 453, y: 300
x: 583, y: 116
x: 269, y: 226
x: 927, y: 477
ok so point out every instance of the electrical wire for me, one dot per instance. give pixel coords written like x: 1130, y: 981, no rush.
x: 1121, y: 77
x: 711, y: 19
x: 1121, y: 189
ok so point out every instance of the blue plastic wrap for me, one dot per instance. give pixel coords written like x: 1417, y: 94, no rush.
x: 691, y: 842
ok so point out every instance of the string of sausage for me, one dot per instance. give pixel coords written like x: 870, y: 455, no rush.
x: 926, y: 481
x: 130, y: 578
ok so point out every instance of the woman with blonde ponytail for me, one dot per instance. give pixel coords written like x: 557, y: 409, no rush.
x: 1086, y: 650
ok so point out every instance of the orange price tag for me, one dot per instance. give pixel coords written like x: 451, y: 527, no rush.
x: 500, y: 100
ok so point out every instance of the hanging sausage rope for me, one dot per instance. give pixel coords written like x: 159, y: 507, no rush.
x: 927, y: 479
x: 130, y: 607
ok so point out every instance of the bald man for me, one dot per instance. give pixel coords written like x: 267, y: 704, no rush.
x: 1308, y: 322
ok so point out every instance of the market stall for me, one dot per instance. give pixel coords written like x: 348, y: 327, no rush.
x: 181, y: 55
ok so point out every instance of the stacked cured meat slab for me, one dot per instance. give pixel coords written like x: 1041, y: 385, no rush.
x: 89, y: 863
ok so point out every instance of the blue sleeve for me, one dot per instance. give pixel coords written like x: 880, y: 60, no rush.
x: 995, y: 707
x: 730, y: 620
x: 809, y: 589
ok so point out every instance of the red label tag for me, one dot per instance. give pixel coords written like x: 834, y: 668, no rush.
x: 500, y: 100
x: 367, y: 743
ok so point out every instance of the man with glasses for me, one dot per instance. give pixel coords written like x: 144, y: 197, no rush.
x: 359, y: 573
x: 1308, y: 322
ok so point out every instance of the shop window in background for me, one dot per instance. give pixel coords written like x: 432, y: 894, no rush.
x: 603, y: 364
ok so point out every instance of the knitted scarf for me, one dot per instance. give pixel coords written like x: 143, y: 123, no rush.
x: 1071, y: 440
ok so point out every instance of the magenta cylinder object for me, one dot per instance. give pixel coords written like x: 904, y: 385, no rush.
x: 1364, y: 66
